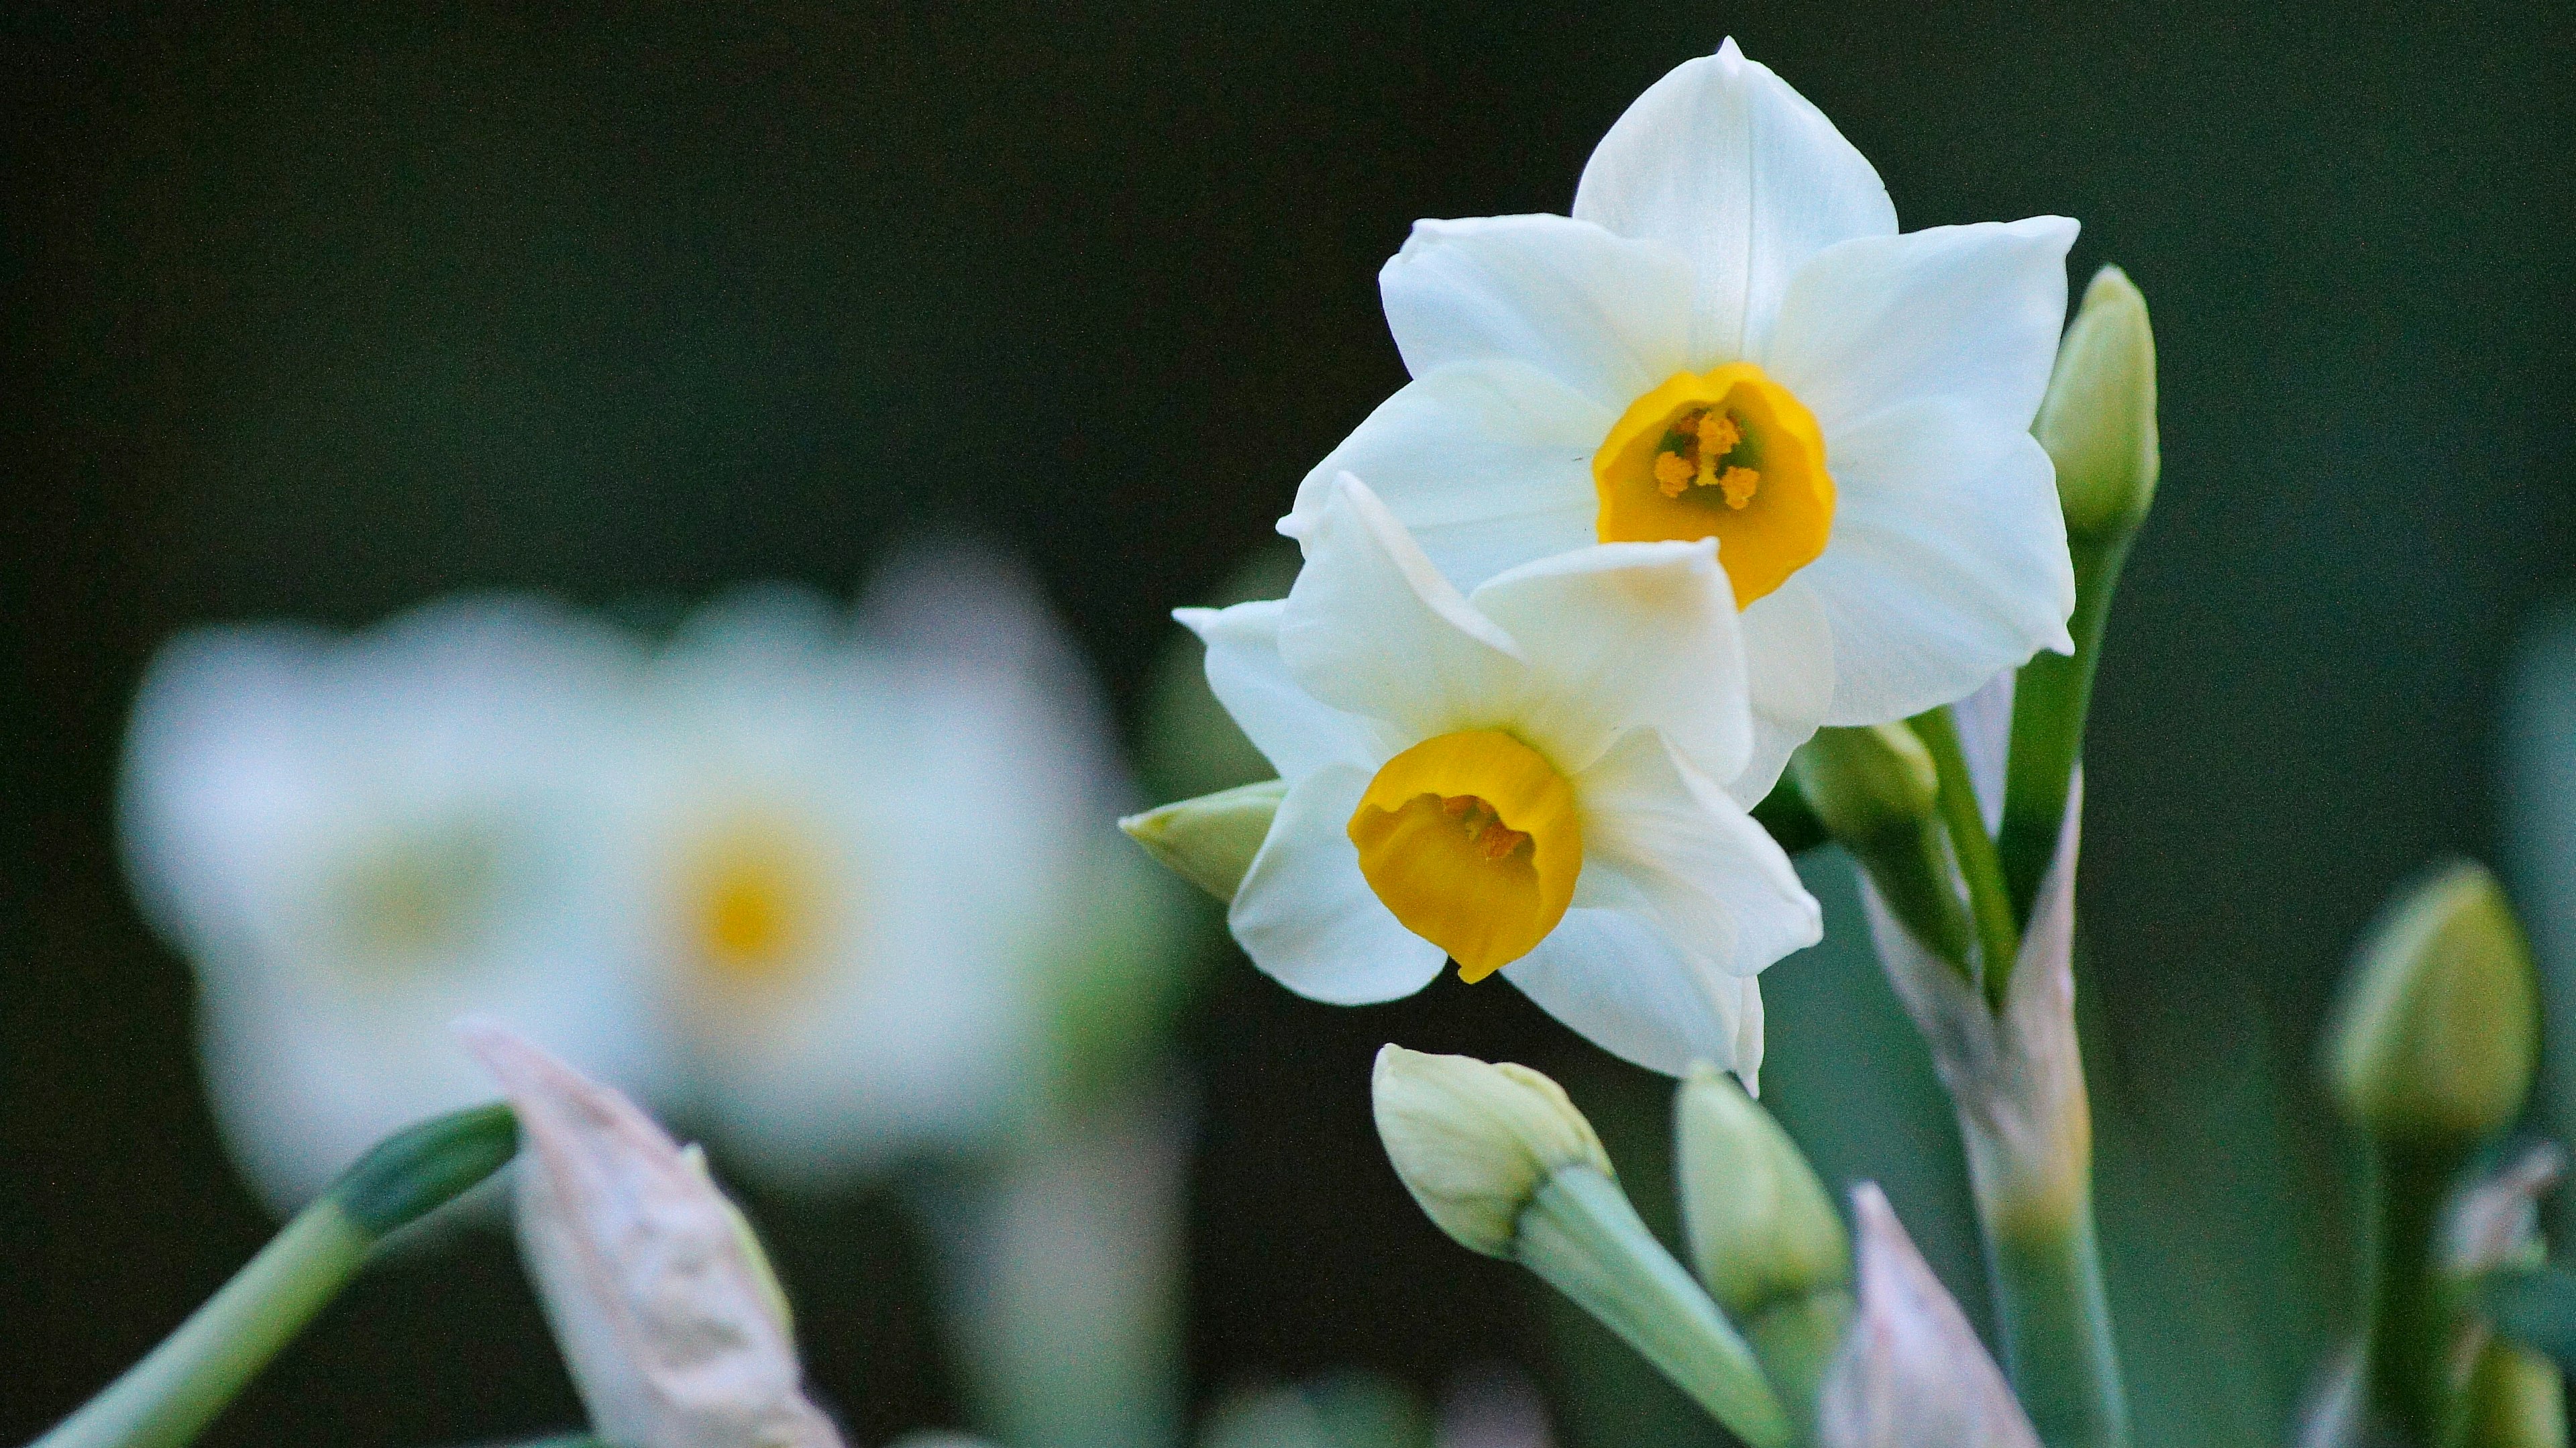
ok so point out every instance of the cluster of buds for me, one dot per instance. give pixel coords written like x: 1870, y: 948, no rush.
x: 1770, y: 1328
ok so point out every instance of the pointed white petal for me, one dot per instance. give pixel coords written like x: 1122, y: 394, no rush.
x: 1789, y: 655
x: 1724, y: 161
x: 1294, y: 730
x: 1621, y: 636
x: 1711, y: 879
x: 1948, y: 562
x: 1967, y: 315
x: 1605, y: 315
x: 1372, y: 628
x: 1306, y: 915
x: 1489, y: 464
x: 1607, y: 974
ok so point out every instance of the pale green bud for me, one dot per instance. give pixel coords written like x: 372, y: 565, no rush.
x: 2098, y: 419
x: 1867, y: 783
x: 2514, y: 1398
x: 2438, y: 1033
x: 1473, y: 1141
x: 1210, y: 841
x: 1500, y: 1160
x: 1762, y: 1229
x: 1877, y: 791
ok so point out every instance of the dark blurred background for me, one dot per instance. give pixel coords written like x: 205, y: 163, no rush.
x: 324, y: 313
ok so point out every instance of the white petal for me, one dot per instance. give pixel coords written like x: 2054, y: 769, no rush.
x: 1789, y: 654
x: 1488, y: 463
x: 1602, y: 314
x: 1295, y: 731
x: 1712, y: 880
x: 1723, y: 160
x: 1620, y: 636
x: 1307, y: 916
x: 1607, y: 974
x: 1372, y: 628
x: 1967, y: 315
x: 1948, y: 562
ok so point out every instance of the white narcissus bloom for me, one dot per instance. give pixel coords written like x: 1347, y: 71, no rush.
x: 356, y: 838
x: 1729, y: 339
x: 883, y: 850
x: 1524, y: 779
x: 667, y: 1315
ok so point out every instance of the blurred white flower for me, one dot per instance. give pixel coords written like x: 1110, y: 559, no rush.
x: 884, y: 858
x: 355, y: 838
x: 666, y: 1312
x: 1729, y: 339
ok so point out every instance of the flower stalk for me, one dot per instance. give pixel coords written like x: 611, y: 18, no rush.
x: 2015, y: 1076
x: 169, y: 1397
x: 1989, y: 902
x: 2098, y: 422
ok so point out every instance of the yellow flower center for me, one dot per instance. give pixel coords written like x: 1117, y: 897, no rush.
x: 757, y: 899
x: 1730, y: 455
x: 1472, y: 840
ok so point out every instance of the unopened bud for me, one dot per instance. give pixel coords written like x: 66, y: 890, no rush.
x: 669, y: 1323
x: 1912, y: 1373
x: 2437, y: 1036
x: 1867, y: 782
x: 1876, y: 789
x: 1501, y: 1160
x: 1210, y: 841
x: 2098, y: 419
x: 1474, y: 1141
x: 1762, y: 1229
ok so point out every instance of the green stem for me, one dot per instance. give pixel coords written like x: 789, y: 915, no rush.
x: 2051, y: 697
x: 1582, y: 1236
x: 1795, y: 1340
x: 1988, y: 903
x: 2405, y: 1364
x: 2056, y: 1324
x: 169, y: 1397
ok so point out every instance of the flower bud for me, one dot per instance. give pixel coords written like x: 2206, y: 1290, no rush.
x: 1762, y: 1230
x: 1473, y: 1142
x: 1210, y: 841
x: 2436, y: 1039
x: 1911, y: 1374
x: 1876, y: 790
x: 1501, y: 1161
x: 666, y: 1321
x: 2098, y: 419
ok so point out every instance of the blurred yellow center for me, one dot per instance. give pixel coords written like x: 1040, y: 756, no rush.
x: 1729, y: 455
x: 757, y: 899
x: 1471, y: 839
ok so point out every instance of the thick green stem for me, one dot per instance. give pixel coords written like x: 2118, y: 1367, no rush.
x: 1581, y: 1235
x: 166, y: 1399
x: 2051, y: 697
x: 2056, y: 1324
x: 2405, y: 1364
x: 1989, y: 905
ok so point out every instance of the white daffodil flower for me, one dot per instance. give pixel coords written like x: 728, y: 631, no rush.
x: 883, y: 849
x: 354, y: 839
x: 1729, y: 339
x: 1523, y: 779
